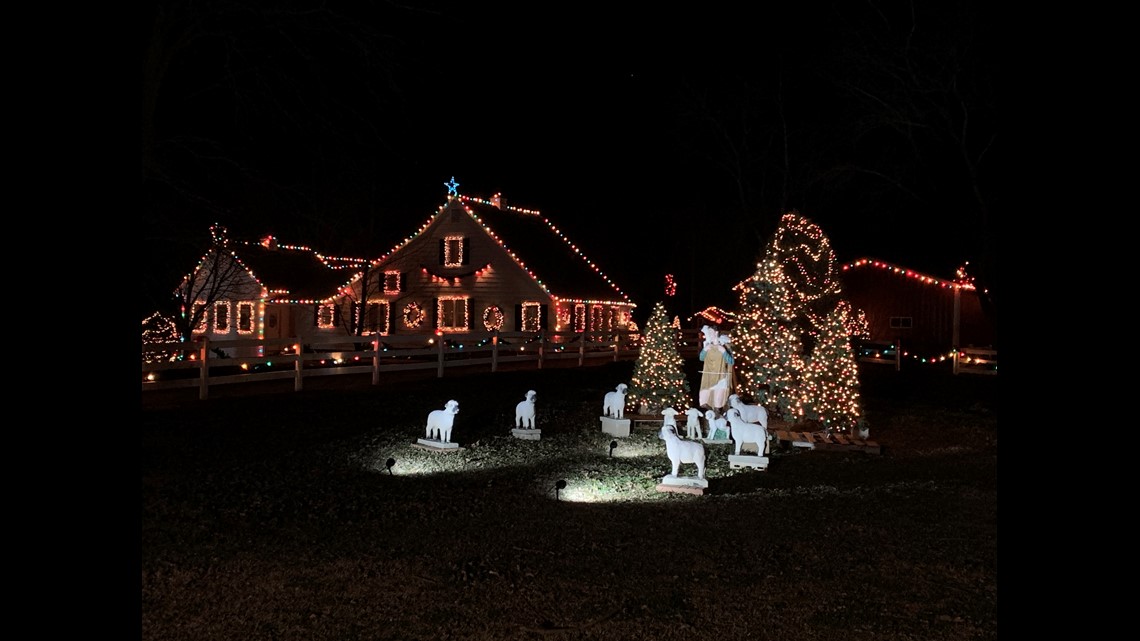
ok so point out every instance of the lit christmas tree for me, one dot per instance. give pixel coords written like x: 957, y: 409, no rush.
x: 769, y: 353
x: 830, y: 386
x: 659, y: 379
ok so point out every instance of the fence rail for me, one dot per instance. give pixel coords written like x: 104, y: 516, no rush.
x: 207, y: 362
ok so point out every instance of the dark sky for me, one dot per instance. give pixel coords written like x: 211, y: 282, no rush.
x: 662, y: 142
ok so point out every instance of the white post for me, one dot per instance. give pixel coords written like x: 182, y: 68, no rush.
x: 376, y: 359
x: 204, y: 368
x: 439, y: 345
x: 581, y: 348
x: 541, y: 347
x: 299, y: 364
x: 495, y: 351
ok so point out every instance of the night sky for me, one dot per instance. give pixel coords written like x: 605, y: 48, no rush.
x: 660, y: 142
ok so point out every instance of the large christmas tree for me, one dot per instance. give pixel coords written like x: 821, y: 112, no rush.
x: 659, y: 379
x: 794, y: 358
x: 830, y: 387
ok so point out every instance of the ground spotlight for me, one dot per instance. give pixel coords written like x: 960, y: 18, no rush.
x: 613, y: 444
x: 558, y: 487
x: 389, y: 463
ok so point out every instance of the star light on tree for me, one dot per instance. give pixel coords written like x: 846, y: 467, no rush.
x: 659, y: 379
x: 452, y: 187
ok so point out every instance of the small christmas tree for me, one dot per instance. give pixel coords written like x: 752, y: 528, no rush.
x: 830, y: 388
x: 659, y: 379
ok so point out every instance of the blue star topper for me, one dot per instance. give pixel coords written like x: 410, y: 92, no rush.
x: 451, y: 187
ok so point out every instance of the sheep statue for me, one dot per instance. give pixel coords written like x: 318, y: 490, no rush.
x: 615, y: 402
x: 439, y: 422
x: 716, y: 424
x: 693, y: 425
x: 681, y: 451
x: 524, y: 412
x: 749, y: 413
x: 670, y: 419
x: 745, y: 432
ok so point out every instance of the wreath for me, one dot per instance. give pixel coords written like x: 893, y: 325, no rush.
x: 413, y: 315
x: 493, y: 318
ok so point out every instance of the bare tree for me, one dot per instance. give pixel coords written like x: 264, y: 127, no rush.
x: 218, y: 277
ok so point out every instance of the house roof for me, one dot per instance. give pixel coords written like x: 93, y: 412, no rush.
x: 293, y: 273
x: 557, y: 264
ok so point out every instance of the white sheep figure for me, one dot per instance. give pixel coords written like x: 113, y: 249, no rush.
x: 524, y: 412
x: 745, y: 432
x: 693, y: 425
x: 670, y: 415
x: 715, y: 423
x: 615, y: 402
x: 439, y: 422
x: 681, y: 451
x: 750, y: 413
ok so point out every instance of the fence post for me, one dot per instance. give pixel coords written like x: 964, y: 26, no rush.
x: 541, y: 347
x: 617, y: 346
x: 898, y: 355
x: 298, y: 365
x: 581, y: 348
x: 495, y: 351
x: 439, y: 346
x: 204, y: 368
x: 954, y: 354
x: 376, y: 359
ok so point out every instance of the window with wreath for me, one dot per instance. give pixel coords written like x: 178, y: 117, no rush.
x: 452, y: 313
x: 326, y: 316
x: 245, y: 318
x: 413, y: 315
x: 222, y: 317
x: 493, y: 318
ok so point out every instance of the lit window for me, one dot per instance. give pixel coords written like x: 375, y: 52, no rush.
x: 392, y: 282
x: 453, y: 251
x: 200, y: 312
x: 376, y: 318
x: 245, y: 318
x: 453, y: 314
x: 579, y: 317
x: 597, y: 318
x: 222, y: 317
x: 531, y: 317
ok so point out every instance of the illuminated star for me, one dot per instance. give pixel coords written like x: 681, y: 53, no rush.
x: 451, y: 187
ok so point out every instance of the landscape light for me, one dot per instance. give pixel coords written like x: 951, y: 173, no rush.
x: 558, y: 487
x: 613, y: 444
x: 390, y: 462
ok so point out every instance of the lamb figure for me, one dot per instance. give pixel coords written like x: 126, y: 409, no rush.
x: 615, y: 402
x: 670, y: 419
x: 745, y: 432
x: 681, y: 451
x: 716, y: 424
x: 439, y: 422
x: 524, y: 412
x: 693, y: 425
x: 750, y: 413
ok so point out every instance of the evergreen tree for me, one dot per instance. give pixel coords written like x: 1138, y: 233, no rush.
x: 768, y: 349
x: 830, y: 387
x: 659, y: 378
x: 810, y: 267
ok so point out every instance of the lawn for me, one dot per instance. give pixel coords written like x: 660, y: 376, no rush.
x: 271, y: 514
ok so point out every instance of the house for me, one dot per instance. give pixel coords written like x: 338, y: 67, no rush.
x: 481, y: 265
x: 475, y: 266
x: 263, y: 289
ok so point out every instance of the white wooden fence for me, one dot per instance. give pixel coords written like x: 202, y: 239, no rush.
x: 202, y: 363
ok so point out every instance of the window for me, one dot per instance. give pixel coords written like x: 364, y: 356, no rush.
x: 222, y: 318
x: 392, y: 282
x: 597, y: 318
x: 453, y: 313
x: 326, y: 316
x: 376, y: 318
x: 201, y: 312
x: 531, y: 319
x: 579, y: 317
x: 245, y: 318
x: 453, y: 251
x: 901, y: 322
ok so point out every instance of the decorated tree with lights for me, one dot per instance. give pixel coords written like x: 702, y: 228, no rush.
x: 812, y: 273
x: 830, y: 386
x: 769, y: 352
x: 659, y: 379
